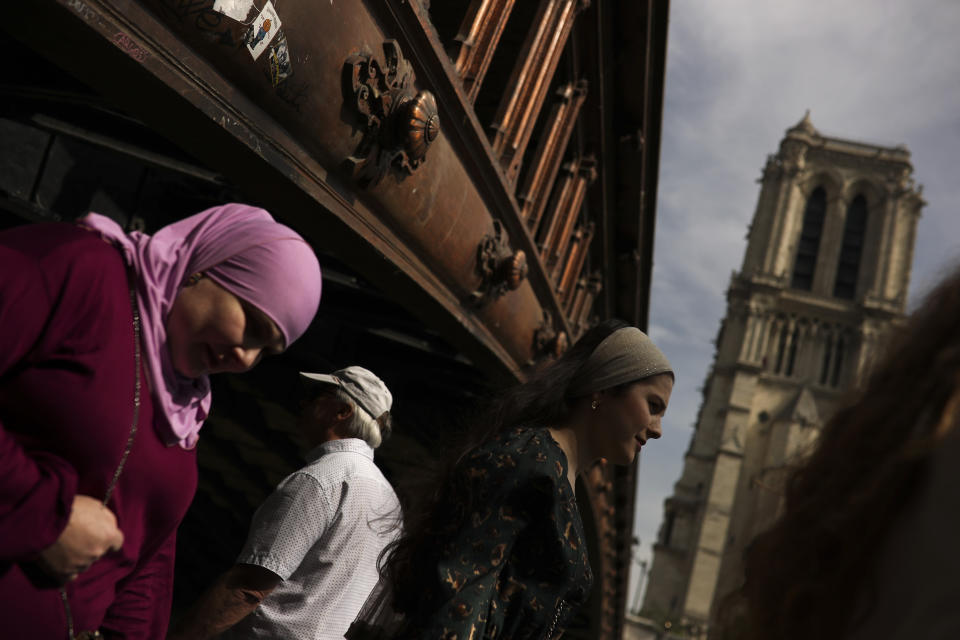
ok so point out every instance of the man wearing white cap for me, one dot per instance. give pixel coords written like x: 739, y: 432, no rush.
x: 310, y: 559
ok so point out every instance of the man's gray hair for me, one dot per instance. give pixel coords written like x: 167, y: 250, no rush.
x: 361, y: 424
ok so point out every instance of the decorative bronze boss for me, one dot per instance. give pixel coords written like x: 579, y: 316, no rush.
x: 398, y: 123
x: 500, y: 268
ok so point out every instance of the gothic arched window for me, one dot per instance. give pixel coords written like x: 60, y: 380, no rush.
x: 667, y: 531
x: 827, y: 355
x: 792, y: 352
x: 853, y: 232
x: 781, y: 350
x: 809, y: 243
x: 837, y: 363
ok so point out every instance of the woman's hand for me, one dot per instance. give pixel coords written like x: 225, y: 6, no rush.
x: 91, y: 532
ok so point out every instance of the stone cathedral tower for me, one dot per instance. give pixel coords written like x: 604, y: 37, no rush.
x: 824, y: 276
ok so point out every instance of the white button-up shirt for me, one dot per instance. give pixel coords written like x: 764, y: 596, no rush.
x: 321, y: 531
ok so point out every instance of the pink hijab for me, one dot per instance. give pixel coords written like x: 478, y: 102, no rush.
x: 242, y: 249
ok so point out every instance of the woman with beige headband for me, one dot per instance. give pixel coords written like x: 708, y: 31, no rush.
x: 500, y: 550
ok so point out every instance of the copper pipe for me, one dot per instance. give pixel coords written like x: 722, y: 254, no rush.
x: 585, y: 177
x: 548, y: 156
x: 530, y: 81
x: 574, y: 267
x: 478, y: 37
x: 563, y: 282
x: 556, y: 210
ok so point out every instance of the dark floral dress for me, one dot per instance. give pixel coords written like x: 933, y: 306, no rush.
x: 519, y: 569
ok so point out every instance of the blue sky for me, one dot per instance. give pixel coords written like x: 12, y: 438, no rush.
x: 739, y: 73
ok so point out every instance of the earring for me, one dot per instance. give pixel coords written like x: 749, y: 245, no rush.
x: 595, y: 404
x: 194, y: 278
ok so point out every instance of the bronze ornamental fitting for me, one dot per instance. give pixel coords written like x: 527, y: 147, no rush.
x: 512, y: 270
x: 418, y: 125
x: 398, y: 124
x: 500, y: 268
x: 548, y: 343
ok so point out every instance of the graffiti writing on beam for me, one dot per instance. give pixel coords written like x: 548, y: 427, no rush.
x: 126, y: 44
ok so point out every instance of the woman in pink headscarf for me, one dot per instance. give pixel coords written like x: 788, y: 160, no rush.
x: 106, y: 342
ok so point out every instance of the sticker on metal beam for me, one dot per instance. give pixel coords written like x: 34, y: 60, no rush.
x: 263, y: 30
x: 279, y: 58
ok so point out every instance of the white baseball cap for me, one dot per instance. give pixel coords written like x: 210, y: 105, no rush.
x: 366, y: 389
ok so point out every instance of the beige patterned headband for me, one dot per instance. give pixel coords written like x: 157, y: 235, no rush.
x: 626, y: 355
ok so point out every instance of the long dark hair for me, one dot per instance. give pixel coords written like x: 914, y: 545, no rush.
x: 812, y: 575
x: 543, y: 400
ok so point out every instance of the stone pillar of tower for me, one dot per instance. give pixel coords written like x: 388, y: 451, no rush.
x: 824, y: 276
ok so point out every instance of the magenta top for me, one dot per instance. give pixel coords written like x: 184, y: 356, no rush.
x: 66, y: 404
